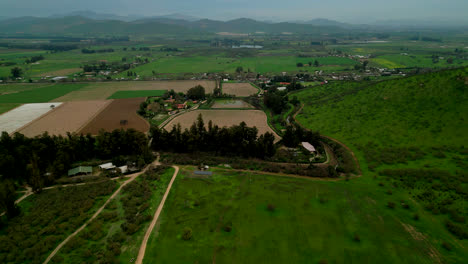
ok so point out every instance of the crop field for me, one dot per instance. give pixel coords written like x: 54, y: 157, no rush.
x: 135, y: 94
x: 117, y: 230
x: 228, y: 103
x: 239, y: 89
x: 38, y: 94
x: 101, y: 91
x: 68, y: 117
x: 243, y: 217
x: 21, y: 116
x: 47, y: 219
x: 112, y: 116
x: 7, y: 107
x: 219, y: 63
x: 226, y: 118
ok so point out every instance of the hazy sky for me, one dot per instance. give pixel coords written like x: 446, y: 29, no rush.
x: 344, y: 10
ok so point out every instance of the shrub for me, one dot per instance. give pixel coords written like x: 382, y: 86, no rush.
x: 323, y: 200
x: 323, y: 261
x: 187, y: 235
x: 447, y: 246
x: 416, y: 217
x: 391, y: 205
x: 271, y: 207
x: 228, y: 227
x: 357, y: 238
x: 389, y: 192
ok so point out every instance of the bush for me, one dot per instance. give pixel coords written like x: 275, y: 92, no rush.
x: 228, y: 227
x: 357, y: 238
x: 416, y: 217
x: 391, y: 205
x: 456, y: 230
x: 187, y: 235
x: 271, y: 207
x: 447, y: 246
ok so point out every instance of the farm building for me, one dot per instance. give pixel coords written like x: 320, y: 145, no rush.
x: 80, y: 170
x: 123, y: 169
x: 107, y: 166
x: 281, y: 89
x: 309, y: 147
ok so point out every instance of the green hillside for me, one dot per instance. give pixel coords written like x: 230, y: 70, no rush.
x: 410, y: 132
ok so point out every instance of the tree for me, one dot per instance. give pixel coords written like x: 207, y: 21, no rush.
x: 239, y: 69
x: 37, y: 182
x: 7, y: 199
x: 16, y: 72
x: 196, y: 93
x: 316, y: 63
x: 300, y: 64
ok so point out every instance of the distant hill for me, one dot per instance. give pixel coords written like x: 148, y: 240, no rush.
x: 77, y: 25
x: 96, y: 16
x: 84, y: 25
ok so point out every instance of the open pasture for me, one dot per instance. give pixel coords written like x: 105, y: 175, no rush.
x: 20, y: 116
x: 226, y: 118
x: 228, y: 103
x: 101, y: 91
x: 68, y: 117
x: 120, y: 114
x: 238, y: 217
x: 239, y: 89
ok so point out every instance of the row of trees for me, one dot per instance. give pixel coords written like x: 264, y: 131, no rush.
x: 41, y: 160
x: 238, y: 140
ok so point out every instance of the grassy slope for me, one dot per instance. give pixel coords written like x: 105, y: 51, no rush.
x: 423, y: 111
x: 302, y: 229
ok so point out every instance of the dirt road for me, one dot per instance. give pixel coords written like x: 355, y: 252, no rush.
x: 141, y: 253
x: 131, y: 178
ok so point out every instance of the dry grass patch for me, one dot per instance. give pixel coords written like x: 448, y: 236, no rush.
x: 239, y: 89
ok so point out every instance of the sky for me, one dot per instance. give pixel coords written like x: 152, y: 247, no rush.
x: 356, y: 11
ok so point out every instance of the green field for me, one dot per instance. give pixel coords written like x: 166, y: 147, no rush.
x: 40, y: 94
x: 7, y: 107
x: 134, y: 94
x: 308, y: 221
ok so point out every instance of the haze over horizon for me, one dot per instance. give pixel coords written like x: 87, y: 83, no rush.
x: 351, y: 11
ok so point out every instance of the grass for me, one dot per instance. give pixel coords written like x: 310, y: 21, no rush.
x: 7, y: 107
x: 41, y: 94
x: 251, y: 218
x: 134, y: 94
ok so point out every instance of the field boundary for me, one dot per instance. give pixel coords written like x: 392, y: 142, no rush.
x: 94, y: 116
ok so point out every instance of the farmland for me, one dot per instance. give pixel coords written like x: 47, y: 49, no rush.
x: 102, y: 91
x: 239, y: 89
x: 68, y: 117
x: 225, y: 118
x: 20, y: 116
x: 228, y: 103
x: 110, y: 118
x: 246, y: 218
x: 135, y: 94
x: 40, y: 94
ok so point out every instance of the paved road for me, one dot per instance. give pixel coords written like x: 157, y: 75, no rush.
x: 141, y: 253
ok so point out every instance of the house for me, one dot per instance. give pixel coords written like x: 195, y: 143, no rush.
x: 80, y: 170
x: 181, y: 106
x: 308, y: 147
x: 281, y: 89
x: 107, y: 166
x: 123, y: 169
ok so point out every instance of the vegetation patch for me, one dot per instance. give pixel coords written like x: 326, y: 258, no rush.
x: 136, y: 94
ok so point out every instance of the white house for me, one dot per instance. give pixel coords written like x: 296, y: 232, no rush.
x: 107, y: 166
x: 281, y: 89
x: 309, y: 147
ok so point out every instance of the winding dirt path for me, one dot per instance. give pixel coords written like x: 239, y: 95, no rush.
x: 131, y: 178
x: 141, y: 252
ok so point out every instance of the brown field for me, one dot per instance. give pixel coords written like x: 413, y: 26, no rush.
x: 227, y: 118
x: 120, y: 109
x: 239, y: 89
x: 60, y: 72
x: 68, y: 117
x: 231, y: 104
x: 101, y: 91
